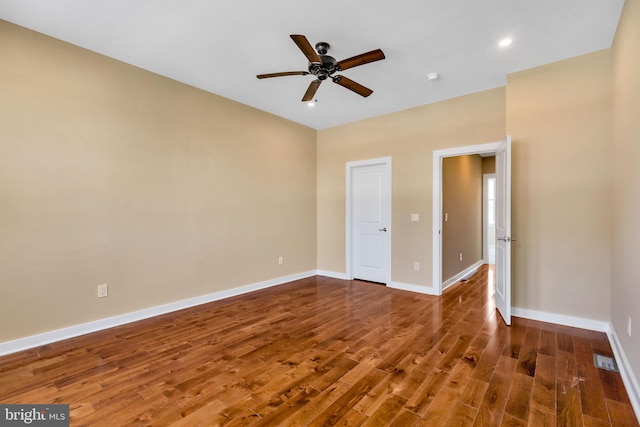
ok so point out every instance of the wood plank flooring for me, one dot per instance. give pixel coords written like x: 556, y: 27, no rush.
x: 320, y: 352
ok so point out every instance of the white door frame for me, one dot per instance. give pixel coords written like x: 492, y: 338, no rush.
x: 438, y: 155
x: 349, y: 215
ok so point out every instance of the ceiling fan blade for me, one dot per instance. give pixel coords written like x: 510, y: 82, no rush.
x: 286, y: 73
x: 311, y: 90
x: 306, y: 48
x: 351, y: 85
x: 364, y: 58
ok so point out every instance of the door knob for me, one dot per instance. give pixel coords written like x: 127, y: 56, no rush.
x: 504, y: 239
x: 382, y: 229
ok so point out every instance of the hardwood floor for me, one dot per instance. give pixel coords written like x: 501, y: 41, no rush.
x: 321, y: 351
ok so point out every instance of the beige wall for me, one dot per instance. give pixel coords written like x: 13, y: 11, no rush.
x: 489, y: 164
x: 111, y: 174
x: 462, y: 204
x: 409, y: 137
x: 559, y: 116
x: 625, y: 280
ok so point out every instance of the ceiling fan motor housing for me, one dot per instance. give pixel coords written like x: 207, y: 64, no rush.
x: 322, y: 71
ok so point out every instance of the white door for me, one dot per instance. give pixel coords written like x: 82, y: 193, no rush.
x: 371, y: 201
x: 503, y: 230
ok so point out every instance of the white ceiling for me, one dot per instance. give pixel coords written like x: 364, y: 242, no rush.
x: 220, y: 45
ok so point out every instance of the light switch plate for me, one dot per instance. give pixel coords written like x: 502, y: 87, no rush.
x: 415, y: 217
x: 103, y: 291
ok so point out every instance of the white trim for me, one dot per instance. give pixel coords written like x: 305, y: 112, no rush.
x: 428, y: 290
x: 462, y: 275
x: 332, y: 274
x: 438, y: 155
x: 488, y: 148
x: 420, y: 289
x: 349, y: 213
x: 628, y: 378
x: 32, y: 341
x: 561, y: 319
x: 437, y: 223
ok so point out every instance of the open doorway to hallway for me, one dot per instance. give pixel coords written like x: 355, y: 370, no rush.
x: 502, y: 152
x: 468, y: 214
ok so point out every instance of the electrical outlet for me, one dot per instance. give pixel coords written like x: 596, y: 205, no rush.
x: 103, y: 290
x: 280, y: 260
x: 416, y: 266
x: 460, y: 256
x: 629, y: 326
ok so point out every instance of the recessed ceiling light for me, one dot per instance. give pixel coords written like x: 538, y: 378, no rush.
x: 433, y: 76
x: 505, y: 42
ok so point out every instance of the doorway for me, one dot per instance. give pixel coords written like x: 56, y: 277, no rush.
x: 502, y: 151
x: 368, y: 220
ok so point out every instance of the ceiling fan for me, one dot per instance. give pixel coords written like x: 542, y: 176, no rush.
x: 324, y: 66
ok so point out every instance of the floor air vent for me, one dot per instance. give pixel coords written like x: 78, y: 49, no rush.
x: 605, y: 362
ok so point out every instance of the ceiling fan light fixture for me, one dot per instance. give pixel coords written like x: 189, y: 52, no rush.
x: 312, y: 104
x: 505, y: 42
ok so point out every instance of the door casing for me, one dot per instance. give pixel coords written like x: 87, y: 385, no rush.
x: 438, y: 155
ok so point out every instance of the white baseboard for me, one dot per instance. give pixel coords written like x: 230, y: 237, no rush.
x: 332, y: 274
x: 32, y: 341
x: 462, y: 275
x: 561, y: 319
x: 628, y: 378
x: 429, y: 290
x: 394, y: 285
